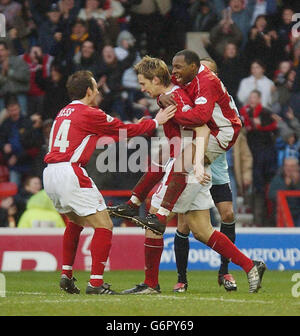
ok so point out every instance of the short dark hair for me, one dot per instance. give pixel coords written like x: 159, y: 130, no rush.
x: 259, y: 62
x: 78, y: 83
x: 189, y: 57
x: 10, y: 99
x: 257, y: 92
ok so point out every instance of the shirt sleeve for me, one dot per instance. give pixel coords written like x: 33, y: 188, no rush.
x: 103, y: 124
x: 202, y: 111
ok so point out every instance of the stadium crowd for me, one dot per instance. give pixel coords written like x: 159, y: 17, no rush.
x: 255, y: 44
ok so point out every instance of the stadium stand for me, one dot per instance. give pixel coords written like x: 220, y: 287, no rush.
x: 256, y: 46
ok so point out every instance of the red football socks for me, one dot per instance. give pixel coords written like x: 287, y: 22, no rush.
x: 221, y: 244
x: 176, y: 184
x: 147, y: 182
x: 153, y: 250
x: 70, y: 243
x: 100, y: 248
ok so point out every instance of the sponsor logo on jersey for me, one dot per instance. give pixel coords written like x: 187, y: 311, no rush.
x: 186, y: 108
x: 109, y: 118
x: 201, y: 100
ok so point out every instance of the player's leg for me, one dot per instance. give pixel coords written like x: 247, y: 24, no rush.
x: 222, y: 197
x: 153, y: 248
x: 147, y: 182
x: 227, y: 227
x: 200, y: 225
x: 190, y: 158
x: 181, y: 248
x: 70, y: 244
x: 100, y: 248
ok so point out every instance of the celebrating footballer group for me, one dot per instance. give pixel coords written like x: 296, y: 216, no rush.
x: 193, y: 103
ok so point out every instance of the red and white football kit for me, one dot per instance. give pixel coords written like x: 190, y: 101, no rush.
x: 212, y: 105
x: 73, y: 138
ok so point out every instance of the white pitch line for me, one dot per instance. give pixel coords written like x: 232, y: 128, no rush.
x: 141, y: 297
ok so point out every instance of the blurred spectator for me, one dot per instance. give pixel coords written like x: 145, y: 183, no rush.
x: 257, y: 81
x: 51, y: 27
x: 54, y: 86
x: 31, y: 186
x: 8, y: 213
x: 40, y: 213
x: 226, y: 31
x: 287, y: 143
x: 69, y: 9
x: 106, y: 13
x: 88, y: 59
x: 202, y: 15
x: 290, y: 147
x: 176, y: 25
x: 36, y: 60
x: 260, y: 127
x: 146, y: 25
x: 130, y: 82
x: 241, y: 15
x: 285, y: 26
x: 284, y: 80
x: 231, y: 69
x: 38, y: 163
x: 242, y: 164
x: 111, y: 81
x: 20, y: 141
x: 23, y: 33
x: 288, y: 178
x: 263, y: 44
x: 141, y: 107
x: 14, y: 77
x: 10, y: 9
x: 264, y: 7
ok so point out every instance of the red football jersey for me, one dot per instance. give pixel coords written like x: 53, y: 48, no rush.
x: 77, y: 127
x: 212, y: 105
x: 173, y: 127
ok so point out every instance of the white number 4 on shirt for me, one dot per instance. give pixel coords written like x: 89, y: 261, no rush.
x: 61, y: 139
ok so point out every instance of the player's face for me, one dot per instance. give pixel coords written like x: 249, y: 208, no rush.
x: 182, y: 71
x: 148, y: 86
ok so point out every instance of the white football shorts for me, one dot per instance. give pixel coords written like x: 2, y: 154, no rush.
x: 194, y: 197
x: 71, y: 190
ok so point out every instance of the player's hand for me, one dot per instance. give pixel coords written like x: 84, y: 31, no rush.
x: 166, y: 100
x: 164, y: 115
x: 203, y: 178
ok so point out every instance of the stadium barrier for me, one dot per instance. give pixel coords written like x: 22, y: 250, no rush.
x: 284, y: 216
x: 40, y: 249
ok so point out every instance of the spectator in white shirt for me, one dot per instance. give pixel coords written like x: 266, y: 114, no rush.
x: 257, y: 81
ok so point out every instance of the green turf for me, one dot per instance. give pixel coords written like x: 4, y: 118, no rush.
x: 37, y: 293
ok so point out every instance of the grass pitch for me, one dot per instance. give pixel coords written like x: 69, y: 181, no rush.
x: 38, y: 294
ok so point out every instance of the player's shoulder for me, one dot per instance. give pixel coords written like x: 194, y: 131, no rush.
x: 206, y: 75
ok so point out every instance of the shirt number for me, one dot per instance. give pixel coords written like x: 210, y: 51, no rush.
x: 61, y: 139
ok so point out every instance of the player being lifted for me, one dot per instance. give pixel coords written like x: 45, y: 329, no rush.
x: 73, y: 138
x: 222, y: 197
x: 194, y: 200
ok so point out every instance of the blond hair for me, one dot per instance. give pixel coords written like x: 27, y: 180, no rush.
x: 151, y: 67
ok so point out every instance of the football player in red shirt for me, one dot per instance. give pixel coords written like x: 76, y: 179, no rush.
x: 73, y: 137
x: 195, y: 201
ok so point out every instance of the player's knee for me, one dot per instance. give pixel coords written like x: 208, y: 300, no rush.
x: 200, y: 236
x: 227, y: 216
